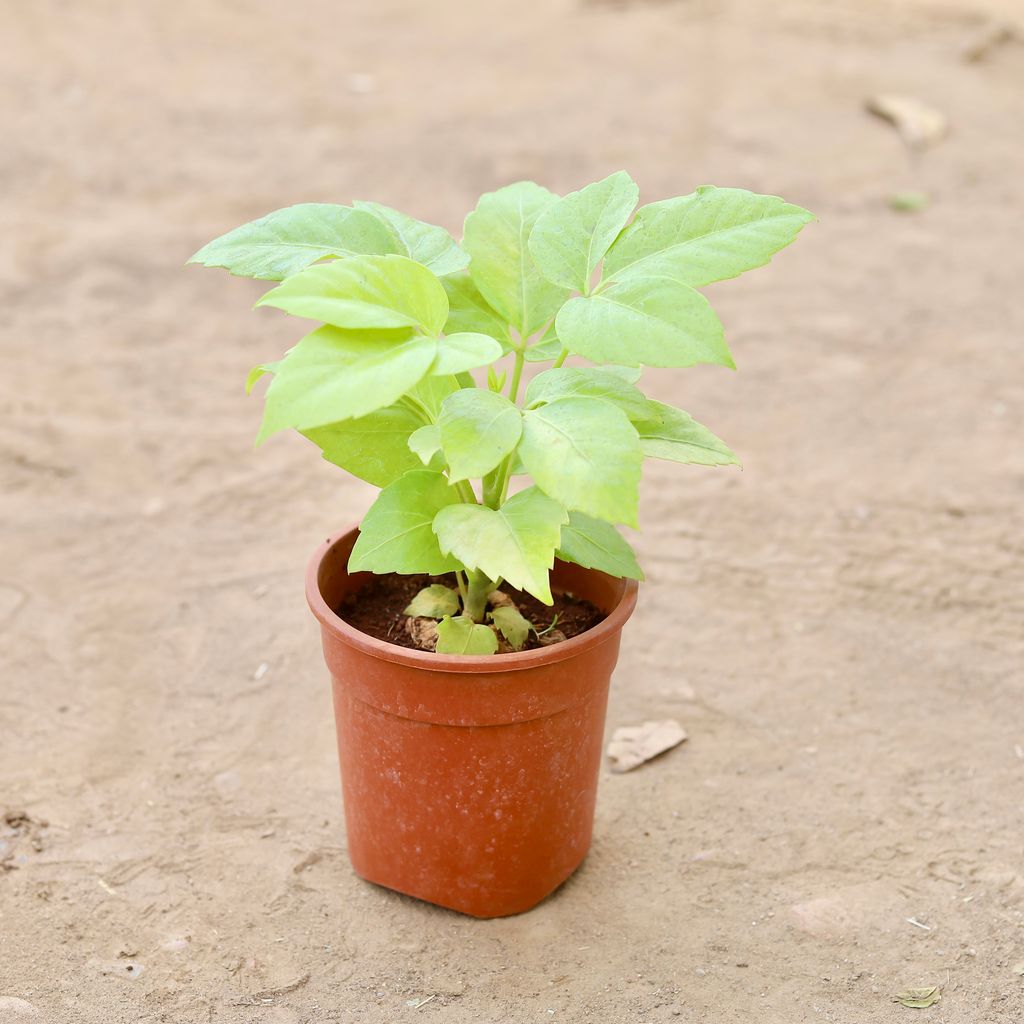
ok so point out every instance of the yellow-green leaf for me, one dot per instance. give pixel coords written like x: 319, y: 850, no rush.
x: 710, y: 235
x: 374, y: 448
x: 464, y: 636
x: 496, y: 237
x: 515, y: 542
x: 572, y: 235
x: 434, y: 602
x: 334, y: 375
x: 584, y: 453
x: 512, y: 625
x: 425, y: 243
x: 655, y: 321
x: 478, y: 429
x: 396, y: 534
x: 365, y: 292
x: 286, y: 241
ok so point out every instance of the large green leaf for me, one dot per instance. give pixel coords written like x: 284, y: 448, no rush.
x: 515, y: 543
x: 709, y: 235
x: 597, y: 545
x: 653, y: 321
x: 333, y: 375
x: 285, y: 241
x: 396, y: 534
x: 496, y: 237
x: 590, y: 382
x: 457, y: 353
x: 374, y: 448
x: 571, y: 236
x: 585, y: 453
x: 425, y: 243
x: 669, y: 433
x: 478, y: 429
x: 365, y: 292
x: 469, y: 311
x: 464, y: 636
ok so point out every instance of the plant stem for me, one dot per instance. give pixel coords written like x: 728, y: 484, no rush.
x: 460, y: 580
x: 466, y: 492
x: 561, y: 358
x: 419, y: 408
x: 474, y: 604
x: 517, y: 374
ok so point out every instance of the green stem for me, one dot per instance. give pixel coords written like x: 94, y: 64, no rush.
x: 460, y: 581
x: 561, y: 358
x: 517, y: 374
x: 419, y: 408
x: 475, y: 602
x: 466, y: 492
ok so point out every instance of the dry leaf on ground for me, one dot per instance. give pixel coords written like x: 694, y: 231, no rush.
x: 919, y: 125
x: 919, y: 998
x: 632, y: 745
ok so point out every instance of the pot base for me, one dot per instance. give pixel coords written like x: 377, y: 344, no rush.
x: 510, y: 909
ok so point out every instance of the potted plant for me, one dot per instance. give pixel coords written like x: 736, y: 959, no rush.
x: 471, y: 623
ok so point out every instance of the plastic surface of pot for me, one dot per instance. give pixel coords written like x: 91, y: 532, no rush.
x: 468, y: 781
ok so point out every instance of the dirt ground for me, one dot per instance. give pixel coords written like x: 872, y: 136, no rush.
x: 839, y: 626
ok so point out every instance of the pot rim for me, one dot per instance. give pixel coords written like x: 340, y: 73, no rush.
x: 475, y: 663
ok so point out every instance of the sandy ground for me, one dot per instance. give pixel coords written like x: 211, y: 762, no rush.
x: 839, y: 627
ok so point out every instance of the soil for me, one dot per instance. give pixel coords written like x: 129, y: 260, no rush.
x: 379, y: 609
x: 838, y: 626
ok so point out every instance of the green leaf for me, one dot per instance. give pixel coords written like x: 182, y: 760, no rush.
x: 710, y: 235
x: 516, y: 542
x: 374, y: 448
x: 512, y: 625
x: 545, y: 351
x: 396, y: 533
x: 478, y: 429
x: 432, y: 391
x: 669, y: 433
x: 597, y: 545
x: 585, y: 453
x: 572, y: 235
x: 425, y: 243
x: 496, y: 382
x: 470, y: 312
x: 590, y: 382
x: 333, y: 375
x: 457, y: 353
x: 630, y: 374
x: 426, y: 443
x: 434, y: 602
x: 652, y: 320
x: 464, y: 636
x: 365, y: 292
x: 256, y: 373
x: 286, y: 241
x: 496, y: 238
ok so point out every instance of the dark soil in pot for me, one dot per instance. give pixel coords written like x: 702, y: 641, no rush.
x: 378, y: 610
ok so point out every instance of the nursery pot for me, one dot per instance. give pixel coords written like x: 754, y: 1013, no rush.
x: 468, y: 781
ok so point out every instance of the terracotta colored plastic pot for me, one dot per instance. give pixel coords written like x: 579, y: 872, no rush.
x: 468, y: 781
